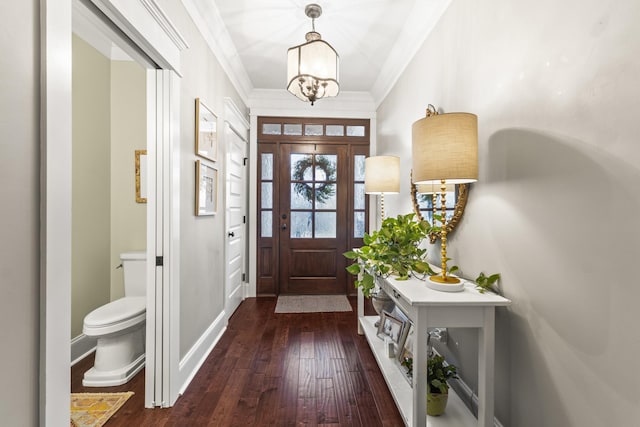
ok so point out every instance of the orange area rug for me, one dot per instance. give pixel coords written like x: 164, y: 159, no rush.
x: 95, y: 409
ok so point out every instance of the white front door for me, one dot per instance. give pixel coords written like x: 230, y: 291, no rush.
x: 236, y: 217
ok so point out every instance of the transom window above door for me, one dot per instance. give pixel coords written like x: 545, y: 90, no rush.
x: 343, y: 131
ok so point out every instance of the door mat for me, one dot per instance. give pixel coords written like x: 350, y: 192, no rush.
x: 95, y: 409
x: 312, y: 303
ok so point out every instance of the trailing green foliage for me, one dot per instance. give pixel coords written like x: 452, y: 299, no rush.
x: 391, y: 250
x: 485, y: 283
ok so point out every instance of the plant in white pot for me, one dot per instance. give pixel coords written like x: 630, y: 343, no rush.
x: 394, y: 249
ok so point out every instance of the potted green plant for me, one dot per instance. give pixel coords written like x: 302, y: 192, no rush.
x: 394, y: 249
x: 438, y: 393
x: 438, y: 373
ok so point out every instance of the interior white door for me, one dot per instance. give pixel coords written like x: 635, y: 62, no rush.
x: 235, y: 202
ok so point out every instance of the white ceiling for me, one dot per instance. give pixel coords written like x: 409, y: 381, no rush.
x: 374, y: 38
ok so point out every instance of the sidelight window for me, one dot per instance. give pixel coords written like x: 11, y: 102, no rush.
x: 266, y: 199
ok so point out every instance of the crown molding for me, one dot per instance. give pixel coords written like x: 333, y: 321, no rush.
x: 207, y: 19
x: 165, y: 23
x: 422, y: 20
x: 279, y: 102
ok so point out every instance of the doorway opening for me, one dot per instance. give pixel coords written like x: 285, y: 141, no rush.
x: 311, y: 203
x: 109, y: 195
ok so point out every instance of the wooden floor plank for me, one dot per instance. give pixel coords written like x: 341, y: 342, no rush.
x: 327, y: 407
x: 345, y: 397
x: 272, y: 369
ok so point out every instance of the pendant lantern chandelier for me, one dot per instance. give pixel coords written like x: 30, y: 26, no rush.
x: 312, y: 67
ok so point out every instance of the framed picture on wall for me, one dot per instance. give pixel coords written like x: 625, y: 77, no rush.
x: 206, y: 189
x: 206, y: 132
x: 141, y: 176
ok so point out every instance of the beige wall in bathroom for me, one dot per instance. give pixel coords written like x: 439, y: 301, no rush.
x: 109, y: 124
x: 128, y: 133
x: 91, y: 186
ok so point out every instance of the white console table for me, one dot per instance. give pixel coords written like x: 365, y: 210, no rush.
x: 428, y: 308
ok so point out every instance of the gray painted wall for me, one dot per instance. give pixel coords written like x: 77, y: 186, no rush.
x: 555, y: 87
x: 20, y: 211
x: 201, y: 238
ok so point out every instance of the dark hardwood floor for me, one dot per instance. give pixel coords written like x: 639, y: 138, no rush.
x: 272, y: 370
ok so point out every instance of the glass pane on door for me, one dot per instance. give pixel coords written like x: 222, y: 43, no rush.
x: 301, y: 225
x: 266, y: 224
x: 326, y: 196
x: 301, y: 195
x: 325, y: 226
x: 267, y: 195
x: 301, y: 167
x: 267, y: 166
x: 326, y: 167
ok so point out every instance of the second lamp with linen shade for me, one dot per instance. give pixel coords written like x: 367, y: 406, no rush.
x: 382, y: 175
x: 444, y: 151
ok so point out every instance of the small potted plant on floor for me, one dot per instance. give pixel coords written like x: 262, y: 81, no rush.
x: 394, y: 249
x: 438, y: 372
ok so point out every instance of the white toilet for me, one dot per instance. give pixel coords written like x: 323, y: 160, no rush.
x: 119, y: 327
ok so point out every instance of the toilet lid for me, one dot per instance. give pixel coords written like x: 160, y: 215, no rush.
x: 116, y: 311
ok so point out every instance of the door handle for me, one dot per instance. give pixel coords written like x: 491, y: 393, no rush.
x: 283, y: 226
x: 231, y: 234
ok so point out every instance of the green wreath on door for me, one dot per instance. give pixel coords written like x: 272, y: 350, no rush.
x: 324, y: 190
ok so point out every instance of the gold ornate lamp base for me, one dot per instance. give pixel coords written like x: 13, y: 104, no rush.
x: 449, y: 284
x: 443, y: 282
x: 448, y: 279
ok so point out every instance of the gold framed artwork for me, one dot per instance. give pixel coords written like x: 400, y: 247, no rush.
x: 206, y: 189
x: 206, y: 132
x: 141, y: 176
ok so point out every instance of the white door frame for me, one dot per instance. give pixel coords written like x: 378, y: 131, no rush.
x: 55, y: 235
x: 150, y: 29
x: 237, y: 124
x: 163, y: 223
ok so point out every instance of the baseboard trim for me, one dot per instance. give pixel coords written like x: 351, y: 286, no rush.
x: 469, y: 398
x: 246, y: 291
x: 195, y: 357
x: 81, y: 347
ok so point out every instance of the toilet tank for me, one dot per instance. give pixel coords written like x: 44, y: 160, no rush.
x: 134, y: 266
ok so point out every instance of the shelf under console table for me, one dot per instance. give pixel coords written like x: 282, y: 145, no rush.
x: 427, y: 309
